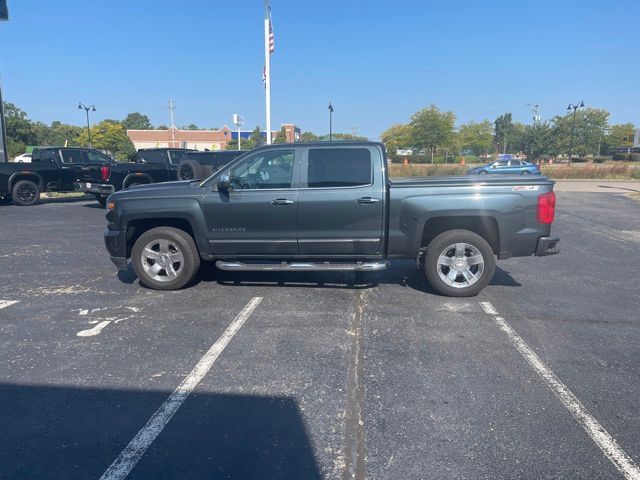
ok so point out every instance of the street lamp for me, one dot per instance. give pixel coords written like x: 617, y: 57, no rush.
x: 330, y: 121
x: 86, y: 109
x: 238, y: 121
x: 573, y: 126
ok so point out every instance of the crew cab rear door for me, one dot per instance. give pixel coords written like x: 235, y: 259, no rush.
x: 341, y: 202
x: 70, y: 168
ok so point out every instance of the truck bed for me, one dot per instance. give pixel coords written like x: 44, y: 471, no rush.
x: 399, y: 182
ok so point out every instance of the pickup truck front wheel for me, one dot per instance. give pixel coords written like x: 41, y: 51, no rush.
x: 459, y: 263
x: 165, y: 258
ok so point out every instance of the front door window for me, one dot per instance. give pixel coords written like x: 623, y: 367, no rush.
x: 265, y: 170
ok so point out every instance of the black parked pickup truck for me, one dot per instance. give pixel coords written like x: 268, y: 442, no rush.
x: 196, y: 165
x: 51, y: 169
x: 151, y: 165
x: 329, y: 206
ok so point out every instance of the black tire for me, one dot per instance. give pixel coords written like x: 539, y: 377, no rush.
x: 186, y: 269
x: 102, y: 200
x: 483, y: 172
x: 25, y: 193
x: 433, y: 270
x: 190, y: 170
x: 525, y: 172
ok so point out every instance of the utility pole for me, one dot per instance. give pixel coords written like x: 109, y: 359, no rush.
x: 330, y: 122
x: 354, y: 131
x: 536, y: 116
x: 172, y: 107
x: 86, y: 108
x: 573, y: 125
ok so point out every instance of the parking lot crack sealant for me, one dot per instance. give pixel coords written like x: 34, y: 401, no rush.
x: 354, y: 447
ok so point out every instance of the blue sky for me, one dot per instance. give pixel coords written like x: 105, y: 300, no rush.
x: 378, y: 62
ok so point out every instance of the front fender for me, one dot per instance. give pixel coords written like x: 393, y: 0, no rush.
x: 164, y: 208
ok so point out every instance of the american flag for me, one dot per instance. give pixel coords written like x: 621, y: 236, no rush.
x: 272, y: 44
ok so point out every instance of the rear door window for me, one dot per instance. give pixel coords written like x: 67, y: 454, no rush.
x: 97, y: 157
x: 339, y: 167
x: 72, y: 156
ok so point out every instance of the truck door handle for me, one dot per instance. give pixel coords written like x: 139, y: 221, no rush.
x: 282, y: 201
x: 368, y: 200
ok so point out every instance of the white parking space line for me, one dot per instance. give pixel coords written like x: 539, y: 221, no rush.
x: 488, y: 308
x: 7, y: 303
x: 133, y: 452
x: 623, y: 462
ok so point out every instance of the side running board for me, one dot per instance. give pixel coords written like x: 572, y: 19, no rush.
x: 303, y: 266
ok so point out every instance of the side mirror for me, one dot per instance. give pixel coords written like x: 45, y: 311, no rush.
x: 224, y: 183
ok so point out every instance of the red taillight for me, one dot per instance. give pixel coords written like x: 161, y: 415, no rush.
x: 105, y: 172
x: 546, y: 207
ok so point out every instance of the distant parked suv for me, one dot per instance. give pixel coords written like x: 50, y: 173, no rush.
x: 197, y: 165
x: 52, y: 169
x: 511, y: 167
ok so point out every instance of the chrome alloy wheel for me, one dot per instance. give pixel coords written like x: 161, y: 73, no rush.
x: 162, y: 260
x: 460, y: 265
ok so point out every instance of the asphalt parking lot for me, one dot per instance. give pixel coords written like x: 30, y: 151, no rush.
x: 319, y: 375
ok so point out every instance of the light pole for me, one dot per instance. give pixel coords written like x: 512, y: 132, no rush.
x: 238, y: 121
x: 86, y: 109
x: 330, y: 122
x: 573, y: 125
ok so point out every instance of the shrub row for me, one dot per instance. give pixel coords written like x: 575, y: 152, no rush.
x: 589, y: 171
x: 627, y: 157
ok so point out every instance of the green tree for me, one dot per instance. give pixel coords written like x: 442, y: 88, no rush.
x: 591, y: 128
x: 110, y: 136
x: 136, y: 121
x: 162, y: 126
x: 309, y: 137
x: 347, y: 137
x: 619, y: 135
x: 281, y: 137
x: 432, y: 128
x: 397, y: 137
x: 503, y: 129
x: 537, y: 140
x: 476, y: 137
x: 255, y: 139
x: 57, y: 134
x: 191, y: 126
x: 20, y: 131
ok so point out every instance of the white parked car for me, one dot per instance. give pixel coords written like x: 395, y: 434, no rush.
x: 24, y: 158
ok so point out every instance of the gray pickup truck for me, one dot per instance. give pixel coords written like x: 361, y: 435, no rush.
x: 325, y: 207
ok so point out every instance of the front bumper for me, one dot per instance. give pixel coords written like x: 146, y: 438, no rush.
x: 547, y: 246
x: 96, y: 188
x: 116, y: 243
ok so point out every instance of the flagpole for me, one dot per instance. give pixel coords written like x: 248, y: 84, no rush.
x: 267, y: 70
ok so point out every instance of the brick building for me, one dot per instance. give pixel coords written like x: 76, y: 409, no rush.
x: 199, y: 139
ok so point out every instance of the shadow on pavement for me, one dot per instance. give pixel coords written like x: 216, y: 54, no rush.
x: 68, y: 432
x: 401, y: 272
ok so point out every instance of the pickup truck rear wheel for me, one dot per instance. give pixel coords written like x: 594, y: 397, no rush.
x: 190, y: 170
x: 25, y: 193
x: 165, y: 258
x: 459, y: 263
x: 102, y: 200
